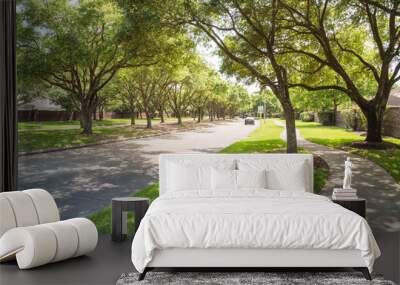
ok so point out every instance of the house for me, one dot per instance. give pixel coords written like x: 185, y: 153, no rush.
x: 391, y: 126
x: 394, y: 98
x: 41, y: 109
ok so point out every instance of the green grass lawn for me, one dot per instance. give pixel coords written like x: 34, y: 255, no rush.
x: 326, y: 135
x: 59, y: 134
x: 340, y: 138
x: 67, y: 124
x: 48, y: 139
x: 264, y: 139
x: 96, y: 123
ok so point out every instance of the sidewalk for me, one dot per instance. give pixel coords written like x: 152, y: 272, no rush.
x: 372, y: 182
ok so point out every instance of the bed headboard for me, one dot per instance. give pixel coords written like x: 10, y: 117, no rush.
x: 164, y: 159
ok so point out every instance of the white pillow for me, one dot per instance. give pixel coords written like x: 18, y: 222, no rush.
x: 188, y: 177
x: 282, y: 174
x: 292, y: 179
x: 254, y: 179
x: 223, y: 179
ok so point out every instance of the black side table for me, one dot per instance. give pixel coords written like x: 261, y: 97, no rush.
x: 120, y: 208
x: 358, y: 205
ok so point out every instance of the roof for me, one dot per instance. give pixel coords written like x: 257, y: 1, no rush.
x: 41, y: 104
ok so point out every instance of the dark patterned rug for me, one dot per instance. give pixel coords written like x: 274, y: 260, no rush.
x: 243, y: 278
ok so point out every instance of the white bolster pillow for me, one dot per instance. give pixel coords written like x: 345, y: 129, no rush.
x: 45, y: 206
x: 26, y: 208
x: 87, y: 235
x: 37, y: 245
x: 32, y: 246
x: 7, y: 218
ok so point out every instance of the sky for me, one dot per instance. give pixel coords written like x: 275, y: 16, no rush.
x: 208, y: 52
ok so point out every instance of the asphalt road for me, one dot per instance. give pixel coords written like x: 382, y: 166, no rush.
x: 84, y: 180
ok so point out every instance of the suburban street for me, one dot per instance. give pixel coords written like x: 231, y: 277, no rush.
x: 84, y: 180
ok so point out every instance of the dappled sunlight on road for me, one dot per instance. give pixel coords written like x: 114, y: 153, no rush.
x: 84, y: 180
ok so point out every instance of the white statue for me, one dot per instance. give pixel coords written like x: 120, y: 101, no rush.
x: 347, y: 174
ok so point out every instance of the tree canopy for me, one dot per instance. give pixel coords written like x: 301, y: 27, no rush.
x: 142, y: 56
x: 349, y: 46
x: 81, y: 47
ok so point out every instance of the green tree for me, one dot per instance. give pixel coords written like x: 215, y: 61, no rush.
x: 127, y: 94
x: 79, y: 47
x: 353, y: 39
x: 244, y: 104
x: 180, y: 96
x: 162, y: 89
x: 205, y: 79
x: 143, y: 82
x: 149, y: 86
x: 248, y: 33
x: 199, y: 103
x: 217, y: 97
x: 268, y: 100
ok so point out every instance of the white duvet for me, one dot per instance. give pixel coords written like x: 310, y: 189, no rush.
x: 250, y: 219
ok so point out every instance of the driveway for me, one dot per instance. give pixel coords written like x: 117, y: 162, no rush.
x: 84, y: 180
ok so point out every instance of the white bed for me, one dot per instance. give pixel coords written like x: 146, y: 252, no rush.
x: 194, y: 223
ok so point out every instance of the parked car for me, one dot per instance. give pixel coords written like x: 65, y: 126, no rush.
x: 249, y: 121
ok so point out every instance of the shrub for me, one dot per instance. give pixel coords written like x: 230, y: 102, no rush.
x: 354, y: 119
x: 276, y: 115
x: 326, y: 118
x: 307, y: 116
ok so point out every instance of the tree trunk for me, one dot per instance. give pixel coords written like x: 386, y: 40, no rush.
x: 291, y: 138
x: 133, y: 117
x: 335, y: 105
x: 199, y: 115
x: 148, y: 120
x: 374, y: 125
x: 290, y: 118
x: 161, y: 112
x: 282, y: 93
x: 80, y: 119
x: 101, y: 114
x: 179, y: 117
x: 86, y: 122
